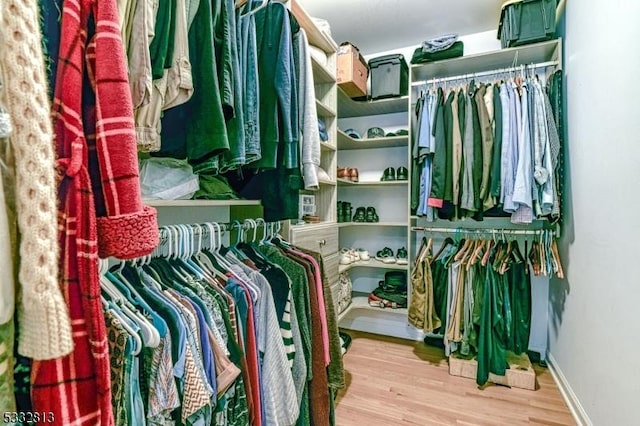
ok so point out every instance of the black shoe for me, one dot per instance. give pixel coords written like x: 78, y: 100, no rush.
x: 389, y: 174
x: 360, y: 215
x: 371, y: 215
x: 402, y: 174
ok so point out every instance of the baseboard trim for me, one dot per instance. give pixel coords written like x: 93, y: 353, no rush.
x: 578, y: 412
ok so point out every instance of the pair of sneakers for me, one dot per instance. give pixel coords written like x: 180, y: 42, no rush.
x: 386, y: 256
x: 349, y: 256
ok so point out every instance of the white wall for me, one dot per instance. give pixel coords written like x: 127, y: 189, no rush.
x: 595, y: 329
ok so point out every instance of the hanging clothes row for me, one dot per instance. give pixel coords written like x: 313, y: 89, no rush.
x: 224, y: 90
x: 487, y: 149
x: 476, y: 293
x: 204, y: 334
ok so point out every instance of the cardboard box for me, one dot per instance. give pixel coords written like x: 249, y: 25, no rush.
x: 352, y: 71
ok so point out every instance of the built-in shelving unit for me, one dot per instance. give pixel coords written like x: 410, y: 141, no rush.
x: 361, y: 303
x: 374, y: 224
x: 373, y: 263
x: 349, y: 108
x: 548, y: 51
x: 345, y: 182
x: 321, y: 73
x: 346, y: 142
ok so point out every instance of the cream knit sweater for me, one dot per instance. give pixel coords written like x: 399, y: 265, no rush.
x: 45, y: 327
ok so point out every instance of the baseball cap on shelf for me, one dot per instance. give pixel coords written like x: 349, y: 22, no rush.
x: 375, y: 132
x: 354, y: 134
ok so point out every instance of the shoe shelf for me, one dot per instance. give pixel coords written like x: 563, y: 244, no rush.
x: 373, y: 263
x: 346, y: 142
x: 360, y: 302
x: 324, y: 110
x: 349, y: 108
x: 380, y: 224
x: 345, y: 182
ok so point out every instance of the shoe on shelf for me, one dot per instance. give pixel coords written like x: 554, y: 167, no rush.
x: 364, y: 255
x: 402, y: 173
x: 340, y: 212
x: 354, y: 255
x: 346, y: 257
x: 353, y: 175
x: 371, y: 215
x: 388, y: 175
x: 402, y: 256
x: 342, y: 173
x: 359, y: 215
x: 385, y: 256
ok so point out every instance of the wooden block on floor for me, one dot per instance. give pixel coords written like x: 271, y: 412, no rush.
x: 519, y: 375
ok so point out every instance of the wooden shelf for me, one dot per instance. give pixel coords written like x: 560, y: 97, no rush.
x: 361, y: 303
x: 372, y: 263
x: 346, y: 142
x: 327, y: 182
x: 345, y: 182
x: 316, y: 37
x: 378, y: 224
x: 201, y: 203
x: 321, y: 73
x: 489, y: 61
x: 324, y: 110
x: 350, y: 108
x: 326, y: 146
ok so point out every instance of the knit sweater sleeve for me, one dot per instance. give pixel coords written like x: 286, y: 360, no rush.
x: 126, y: 227
x: 45, y: 327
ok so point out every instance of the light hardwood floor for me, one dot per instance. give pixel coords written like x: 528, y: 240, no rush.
x: 398, y: 382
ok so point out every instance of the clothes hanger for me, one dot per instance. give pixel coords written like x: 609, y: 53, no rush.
x: 137, y: 340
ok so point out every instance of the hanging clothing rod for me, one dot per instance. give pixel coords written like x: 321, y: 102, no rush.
x: 485, y: 73
x: 482, y: 231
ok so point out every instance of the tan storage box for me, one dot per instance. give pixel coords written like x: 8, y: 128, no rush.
x: 352, y: 71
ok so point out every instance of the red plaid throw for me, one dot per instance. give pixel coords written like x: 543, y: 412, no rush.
x: 100, y: 160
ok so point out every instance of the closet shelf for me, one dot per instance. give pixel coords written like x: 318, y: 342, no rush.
x: 488, y: 61
x: 487, y: 223
x: 316, y: 37
x: 345, y: 182
x: 346, y: 142
x: 373, y: 263
x: 322, y: 73
x: 324, y: 110
x: 201, y: 203
x: 326, y: 146
x: 361, y: 304
x: 327, y: 182
x: 377, y: 224
x: 350, y: 108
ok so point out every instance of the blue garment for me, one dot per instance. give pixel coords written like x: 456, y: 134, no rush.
x: 523, y: 185
x: 424, y: 134
x: 176, y: 326
x: 137, y: 300
x: 250, y: 86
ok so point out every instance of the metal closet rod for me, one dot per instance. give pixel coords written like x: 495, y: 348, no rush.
x: 485, y: 73
x: 482, y: 231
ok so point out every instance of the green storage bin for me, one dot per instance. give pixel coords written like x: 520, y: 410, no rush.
x: 527, y: 21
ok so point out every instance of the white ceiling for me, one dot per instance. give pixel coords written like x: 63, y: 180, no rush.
x: 380, y: 25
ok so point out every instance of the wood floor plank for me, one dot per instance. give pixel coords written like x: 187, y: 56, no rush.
x: 394, y: 382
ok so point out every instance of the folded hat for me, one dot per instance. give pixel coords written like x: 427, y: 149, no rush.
x: 354, y: 134
x: 439, y: 43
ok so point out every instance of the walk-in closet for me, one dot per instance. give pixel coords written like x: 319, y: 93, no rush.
x: 318, y: 213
